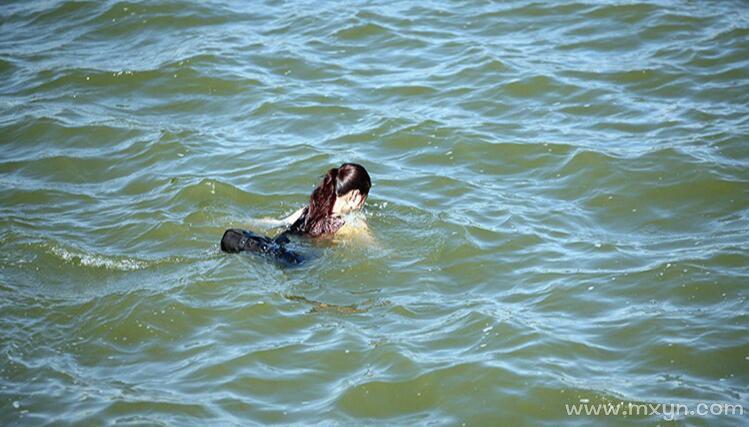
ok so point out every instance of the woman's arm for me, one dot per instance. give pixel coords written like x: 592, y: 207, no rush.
x: 272, y: 222
x: 293, y: 217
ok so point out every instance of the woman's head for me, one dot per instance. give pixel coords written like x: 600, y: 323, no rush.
x: 342, y: 190
x: 352, y: 186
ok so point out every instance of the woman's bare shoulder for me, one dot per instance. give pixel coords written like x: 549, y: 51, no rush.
x: 355, y: 228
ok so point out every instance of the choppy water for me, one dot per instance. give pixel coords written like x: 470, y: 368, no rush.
x: 559, y: 202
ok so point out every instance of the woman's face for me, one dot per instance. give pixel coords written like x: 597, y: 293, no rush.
x: 349, y: 202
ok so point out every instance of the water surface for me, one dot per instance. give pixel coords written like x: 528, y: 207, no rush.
x: 560, y: 205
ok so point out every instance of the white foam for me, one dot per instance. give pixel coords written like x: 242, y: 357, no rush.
x: 99, y: 261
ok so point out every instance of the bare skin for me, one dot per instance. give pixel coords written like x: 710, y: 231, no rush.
x: 349, y: 203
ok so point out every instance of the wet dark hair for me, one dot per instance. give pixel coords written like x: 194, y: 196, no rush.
x: 337, y: 182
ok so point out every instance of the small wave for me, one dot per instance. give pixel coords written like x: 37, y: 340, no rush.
x: 362, y: 30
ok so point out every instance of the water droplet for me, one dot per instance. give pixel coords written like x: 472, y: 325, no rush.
x: 598, y: 244
x: 590, y: 288
x: 16, y: 404
x: 488, y: 328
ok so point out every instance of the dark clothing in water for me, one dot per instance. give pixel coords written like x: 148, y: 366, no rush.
x: 236, y: 240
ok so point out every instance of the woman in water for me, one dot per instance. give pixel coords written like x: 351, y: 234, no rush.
x: 342, y: 191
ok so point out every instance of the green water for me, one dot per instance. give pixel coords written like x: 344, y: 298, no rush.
x: 560, y: 207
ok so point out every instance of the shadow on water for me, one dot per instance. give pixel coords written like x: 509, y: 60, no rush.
x: 321, y: 307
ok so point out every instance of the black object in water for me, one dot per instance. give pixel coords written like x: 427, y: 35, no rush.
x: 236, y: 240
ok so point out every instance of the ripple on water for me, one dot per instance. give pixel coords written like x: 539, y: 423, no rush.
x: 558, y: 211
